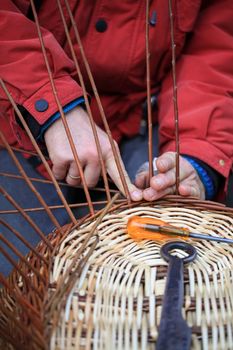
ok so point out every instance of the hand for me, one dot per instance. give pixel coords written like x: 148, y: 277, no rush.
x: 61, y: 155
x: 164, y: 183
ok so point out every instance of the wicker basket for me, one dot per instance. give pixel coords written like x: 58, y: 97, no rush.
x: 108, y: 294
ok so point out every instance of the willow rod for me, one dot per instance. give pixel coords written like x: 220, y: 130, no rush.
x: 148, y: 88
x: 62, y: 286
x: 66, y: 289
x: 3, y: 335
x: 31, y: 153
x: 77, y: 205
x: 46, y: 181
x: 31, y: 311
x: 103, y: 116
x: 37, y: 148
x: 22, y: 239
x: 28, y: 332
x: 175, y: 104
x: 26, y: 217
x: 87, y: 104
x: 63, y: 118
x: 27, y: 280
x: 22, y: 258
x: 29, y: 183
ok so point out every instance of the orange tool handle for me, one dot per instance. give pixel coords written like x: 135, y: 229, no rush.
x: 149, y: 228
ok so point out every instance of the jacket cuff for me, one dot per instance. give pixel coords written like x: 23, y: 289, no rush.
x: 40, y: 110
x: 79, y: 101
x: 39, y: 130
x: 42, y: 104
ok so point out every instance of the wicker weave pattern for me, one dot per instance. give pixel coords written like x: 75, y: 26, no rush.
x: 116, y: 302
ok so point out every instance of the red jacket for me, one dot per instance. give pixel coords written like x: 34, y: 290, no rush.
x: 116, y: 54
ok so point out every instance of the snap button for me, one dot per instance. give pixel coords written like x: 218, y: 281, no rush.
x: 41, y: 105
x: 221, y: 162
x: 101, y: 25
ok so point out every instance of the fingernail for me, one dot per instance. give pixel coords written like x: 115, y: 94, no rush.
x: 136, y: 195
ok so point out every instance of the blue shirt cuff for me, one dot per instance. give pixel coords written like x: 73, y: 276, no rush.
x: 67, y: 108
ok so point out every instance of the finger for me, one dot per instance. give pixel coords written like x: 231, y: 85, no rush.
x: 163, y: 180
x: 191, y: 190
x: 73, y: 177
x: 60, y: 170
x: 135, y: 193
x: 142, y: 180
x: 92, y: 174
x: 151, y: 194
x: 166, y: 162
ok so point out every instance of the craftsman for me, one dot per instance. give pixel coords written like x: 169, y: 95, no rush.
x: 113, y: 35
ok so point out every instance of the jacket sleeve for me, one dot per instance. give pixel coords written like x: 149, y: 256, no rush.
x: 23, y: 69
x: 205, y: 91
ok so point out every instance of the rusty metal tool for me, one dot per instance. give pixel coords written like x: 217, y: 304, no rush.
x: 174, y: 333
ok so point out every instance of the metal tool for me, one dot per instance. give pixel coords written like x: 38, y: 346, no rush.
x: 150, y: 228
x: 174, y: 333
